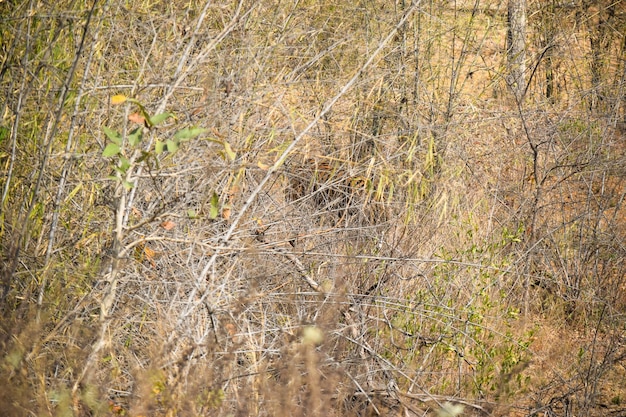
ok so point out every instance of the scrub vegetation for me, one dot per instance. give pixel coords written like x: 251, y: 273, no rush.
x: 312, y: 208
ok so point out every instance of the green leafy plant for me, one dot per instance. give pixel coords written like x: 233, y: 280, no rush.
x: 120, y: 147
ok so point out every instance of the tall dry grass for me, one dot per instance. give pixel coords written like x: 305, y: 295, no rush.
x: 370, y: 224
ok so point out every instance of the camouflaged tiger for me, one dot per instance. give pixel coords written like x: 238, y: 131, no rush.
x: 326, y: 186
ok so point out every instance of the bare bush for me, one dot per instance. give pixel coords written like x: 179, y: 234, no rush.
x: 245, y: 208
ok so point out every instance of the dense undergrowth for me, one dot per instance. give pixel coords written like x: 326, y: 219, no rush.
x: 306, y: 208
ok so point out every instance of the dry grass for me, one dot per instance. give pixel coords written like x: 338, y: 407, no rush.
x: 427, y: 240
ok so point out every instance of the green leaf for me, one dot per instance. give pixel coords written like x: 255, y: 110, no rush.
x: 113, y: 135
x: 144, y: 155
x: 189, y: 133
x: 121, y: 170
x: 134, y: 138
x: 214, y: 211
x: 159, y: 147
x: 4, y: 133
x: 111, y: 149
x: 128, y: 185
x: 159, y: 118
x: 146, y: 117
x: 214, y: 140
x: 172, y: 145
x: 124, y: 163
x: 191, y: 213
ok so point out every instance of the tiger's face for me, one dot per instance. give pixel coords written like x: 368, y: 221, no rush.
x: 326, y: 185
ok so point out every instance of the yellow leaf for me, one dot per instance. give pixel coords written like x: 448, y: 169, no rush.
x: 118, y: 99
x: 229, y: 151
x: 214, y: 206
x: 263, y: 166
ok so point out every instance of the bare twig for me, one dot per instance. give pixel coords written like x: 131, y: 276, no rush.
x: 279, y: 162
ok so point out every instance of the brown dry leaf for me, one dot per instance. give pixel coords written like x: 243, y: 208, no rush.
x: 230, y: 328
x: 136, y: 212
x: 232, y: 332
x: 115, y: 409
x: 137, y: 118
x: 149, y: 255
x: 217, y: 133
x: 168, y: 225
x: 234, y: 190
x: 226, y: 212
